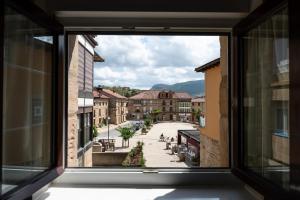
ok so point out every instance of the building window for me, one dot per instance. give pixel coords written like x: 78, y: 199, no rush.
x: 79, y: 131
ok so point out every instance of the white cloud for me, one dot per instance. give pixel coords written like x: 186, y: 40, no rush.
x: 142, y: 61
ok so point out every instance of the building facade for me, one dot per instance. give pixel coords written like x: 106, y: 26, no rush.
x: 198, y: 109
x: 214, y: 133
x: 80, y: 95
x: 117, y: 105
x: 168, y: 105
x: 100, y: 109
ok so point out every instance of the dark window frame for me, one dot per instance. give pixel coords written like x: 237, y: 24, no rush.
x: 36, y: 15
x: 268, y: 188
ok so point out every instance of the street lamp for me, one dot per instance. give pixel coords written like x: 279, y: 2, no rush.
x: 107, y: 120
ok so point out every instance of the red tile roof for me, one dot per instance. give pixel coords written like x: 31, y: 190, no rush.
x: 112, y: 94
x: 182, y: 95
x: 153, y: 94
x: 98, y: 94
x: 147, y: 94
x: 198, y: 99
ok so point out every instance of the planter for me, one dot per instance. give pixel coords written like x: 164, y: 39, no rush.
x: 135, y: 157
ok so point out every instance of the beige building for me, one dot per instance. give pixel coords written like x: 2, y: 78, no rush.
x: 198, y: 109
x: 214, y: 132
x: 173, y: 106
x: 100, y: 109
x: 117, y: 105
x: 80, y: 97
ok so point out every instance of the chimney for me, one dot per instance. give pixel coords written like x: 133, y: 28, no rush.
x: 99, y: 88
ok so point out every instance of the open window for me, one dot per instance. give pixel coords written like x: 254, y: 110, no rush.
x: 265, y: 129
x: 30, y: 121
x: 148, y: 96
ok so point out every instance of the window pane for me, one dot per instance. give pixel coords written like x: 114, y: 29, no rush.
x: 266, y: 98
x: 27, y: 99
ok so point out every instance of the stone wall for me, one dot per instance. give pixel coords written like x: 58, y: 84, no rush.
x: 223, y: 101
x: 210, y: 155
x: 88, y: 159
x: 72, y: 102
x: 108, y: 158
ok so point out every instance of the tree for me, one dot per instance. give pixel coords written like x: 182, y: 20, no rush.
x: 196, y: 114
x: 95, y: 131
x: 155, y: 113
x: 126, y: 134
x: 147, y: 122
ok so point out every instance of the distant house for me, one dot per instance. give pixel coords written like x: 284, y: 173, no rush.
x: 198, y: 109
x: 100, y: 109
x: 117, y: 105
x: 172, y: 106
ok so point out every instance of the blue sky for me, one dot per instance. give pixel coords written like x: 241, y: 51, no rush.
x: 142, y: 61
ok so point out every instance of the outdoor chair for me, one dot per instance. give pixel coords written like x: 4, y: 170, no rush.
x: 161, y: 138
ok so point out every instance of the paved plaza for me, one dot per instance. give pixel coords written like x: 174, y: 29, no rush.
x: 155, y: 151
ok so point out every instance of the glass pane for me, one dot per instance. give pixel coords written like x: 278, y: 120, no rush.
x: 27, y: 99
x: 266, y: 98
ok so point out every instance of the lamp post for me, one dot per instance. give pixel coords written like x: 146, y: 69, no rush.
x: 108, y: 118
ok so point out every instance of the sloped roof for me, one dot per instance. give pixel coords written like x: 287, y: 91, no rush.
x: 112, y: 94
x: 98, y: 94
x: 182, y: 95
x: 198, y: 99
x: 147, y: 94
x: 153, y: 94
x: 208, y: 65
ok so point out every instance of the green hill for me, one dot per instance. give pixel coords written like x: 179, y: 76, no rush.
x: 194, y: 88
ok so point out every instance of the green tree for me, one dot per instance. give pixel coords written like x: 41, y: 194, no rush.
x: 95, y: 131
x: 126, y: 134
x: 196, y: 114
x: 155, y: 113
x: 147, y: 122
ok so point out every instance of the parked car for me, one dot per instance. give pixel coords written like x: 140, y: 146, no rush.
x: 137, y: 124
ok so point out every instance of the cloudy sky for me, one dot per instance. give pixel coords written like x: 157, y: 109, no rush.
x: 142, y: 61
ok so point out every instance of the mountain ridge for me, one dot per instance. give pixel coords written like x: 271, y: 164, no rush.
x: 194, y: 88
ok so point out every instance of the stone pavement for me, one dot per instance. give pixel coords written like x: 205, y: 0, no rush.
x: 155, y: 152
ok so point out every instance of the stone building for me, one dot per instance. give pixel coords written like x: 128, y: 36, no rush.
x: 117, y: 105
x: 172, y: 106
x: 214, y: 135
x: 80, y: 99
x: 100, y: 108
x: 198, y: 108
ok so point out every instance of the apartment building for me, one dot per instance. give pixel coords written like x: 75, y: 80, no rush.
x: 198, y: 109
x: 214, y: 133
x: 117, y: 105
x: 80, y: 93
x: 100, y: 109
x: 171, y: 106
